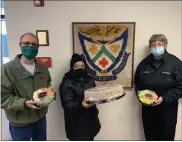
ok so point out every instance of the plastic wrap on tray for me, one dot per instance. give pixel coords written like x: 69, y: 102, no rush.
x: 44, y: 97
x: 147, y: 97
x: 103, y: 94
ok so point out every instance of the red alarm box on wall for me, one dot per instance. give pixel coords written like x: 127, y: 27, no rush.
x: 45, y: 60
x: 39, y: 3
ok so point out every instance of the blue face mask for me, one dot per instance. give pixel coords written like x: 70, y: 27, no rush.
x: 158, y: 51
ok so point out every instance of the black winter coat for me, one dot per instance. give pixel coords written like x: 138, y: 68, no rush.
x: 80, y: 122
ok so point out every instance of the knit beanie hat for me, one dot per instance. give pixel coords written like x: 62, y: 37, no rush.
x: 75, y: 58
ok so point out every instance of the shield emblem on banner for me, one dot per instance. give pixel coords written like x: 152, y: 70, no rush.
x: 105, y: 56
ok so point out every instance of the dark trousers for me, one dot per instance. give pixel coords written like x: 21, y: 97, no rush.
x: 35, y: 131
x: 81, y: 139
x: 159, y: 122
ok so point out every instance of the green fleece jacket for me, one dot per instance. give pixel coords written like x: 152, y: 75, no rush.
x: 17, y: 86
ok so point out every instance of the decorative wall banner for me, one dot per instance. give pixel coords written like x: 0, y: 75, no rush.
x: 108, y: 49
x: 45, y: 60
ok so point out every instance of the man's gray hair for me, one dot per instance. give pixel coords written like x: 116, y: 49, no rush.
x: 29, y: 33
x: 158, y: 37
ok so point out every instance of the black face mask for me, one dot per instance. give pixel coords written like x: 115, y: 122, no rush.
x: 79, y: 73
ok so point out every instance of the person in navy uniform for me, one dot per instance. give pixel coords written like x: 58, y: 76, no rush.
x: 160, y: 72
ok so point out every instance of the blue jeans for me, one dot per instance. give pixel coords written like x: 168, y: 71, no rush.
x: 35, y: 131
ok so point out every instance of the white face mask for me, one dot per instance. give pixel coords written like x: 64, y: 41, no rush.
x: 157, y: 51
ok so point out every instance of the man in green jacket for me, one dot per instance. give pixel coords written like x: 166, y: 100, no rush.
x: 19, y: 79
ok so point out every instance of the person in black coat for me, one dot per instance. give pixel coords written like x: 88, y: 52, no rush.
x: 160, y: 72
x: 81, y: 119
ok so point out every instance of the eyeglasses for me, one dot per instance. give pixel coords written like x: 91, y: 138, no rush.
x: 30, y: 44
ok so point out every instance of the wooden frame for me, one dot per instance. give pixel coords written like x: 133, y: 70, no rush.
x: 129, y: 51
x: 43, y: 36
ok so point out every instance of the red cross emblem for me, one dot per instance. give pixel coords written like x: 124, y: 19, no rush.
x: 103, y: 62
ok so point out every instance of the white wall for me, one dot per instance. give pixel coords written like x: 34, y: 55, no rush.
x: 121, y: 120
